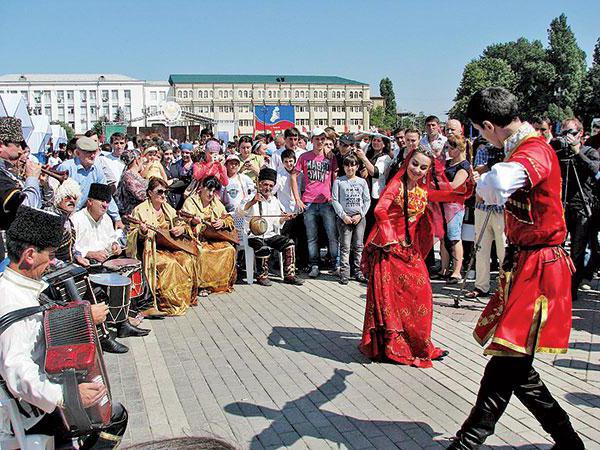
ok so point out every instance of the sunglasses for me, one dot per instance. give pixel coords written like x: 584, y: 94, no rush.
x: 160, y: 192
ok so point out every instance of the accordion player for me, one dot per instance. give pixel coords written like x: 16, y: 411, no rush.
x: 42, y: 402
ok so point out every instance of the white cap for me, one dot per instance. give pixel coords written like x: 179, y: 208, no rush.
x: 317, y: 132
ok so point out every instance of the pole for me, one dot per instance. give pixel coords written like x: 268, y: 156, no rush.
x: 476, y: 248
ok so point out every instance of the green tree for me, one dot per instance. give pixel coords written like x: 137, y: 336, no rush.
x: 589, y: 104
x: 119, y: 115
x: 534, y: 73
x: 386, y: 90
x: 569, y: 62
x: 378, y: 117
x: 98, y: 127
x: 479, y: 74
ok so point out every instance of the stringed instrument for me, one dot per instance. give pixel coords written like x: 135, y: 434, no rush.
x: 212, y: 234
x: 164, y: 239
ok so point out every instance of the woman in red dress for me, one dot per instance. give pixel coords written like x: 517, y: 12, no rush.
x: 399, y: 310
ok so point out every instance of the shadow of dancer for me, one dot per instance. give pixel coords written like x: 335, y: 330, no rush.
x: 341, y: 346
x: 305, y: 416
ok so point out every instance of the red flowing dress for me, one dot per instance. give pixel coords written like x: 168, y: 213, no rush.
x: 399, y: 309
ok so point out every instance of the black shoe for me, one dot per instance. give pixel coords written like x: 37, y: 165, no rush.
x: 125, y: 329
x: 344, y: 280
x: 442, y: 356
x: 110, y: 345
x: 263, y: 281
x: 360, y: 278
x: 294, y: 280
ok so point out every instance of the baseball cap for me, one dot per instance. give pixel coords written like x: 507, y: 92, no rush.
x: 347, y: 139
x: 87, y: 144
x: 317, y: 132
x: 233, y: 157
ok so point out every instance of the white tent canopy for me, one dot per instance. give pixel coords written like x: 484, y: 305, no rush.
x: 13, y: 105
x: 41, y: 134
x: 59, y: 135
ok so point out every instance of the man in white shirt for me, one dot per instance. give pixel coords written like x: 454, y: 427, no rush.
x: 118, y: 142
x: 267, y: 206
x: 96, y: 238
x: 291, y: 138
x: 434, y: 140
x: 31, y: 241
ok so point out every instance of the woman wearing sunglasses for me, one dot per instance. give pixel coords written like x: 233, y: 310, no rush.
x: 171, y: 274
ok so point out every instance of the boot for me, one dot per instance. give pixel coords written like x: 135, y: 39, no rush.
x: 110, y: 345
x: 479, y: 425
x: 289, y: 267
x: 536, y: 397
x: 125, y: 329
x: 262, y: 267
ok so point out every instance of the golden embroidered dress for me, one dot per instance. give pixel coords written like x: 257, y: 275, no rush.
x: 216, y: 263
x: 171, y: 275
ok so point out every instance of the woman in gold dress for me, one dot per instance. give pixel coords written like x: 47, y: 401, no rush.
x: 171, y: 274
x: 216, y: 265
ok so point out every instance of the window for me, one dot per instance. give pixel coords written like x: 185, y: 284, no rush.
x: 104, y: 96
x: 48, y: 112
x: 60, y: 97
x: 245, y: 123
x: 61, y: 113
x: 83, y: 96
x: 127, y: 111
x: 37, y: 96
x: 93, y: 96
x: 179, y: 94
x: 185, y: 94
x: 226, y: 94
x: 70, y: 97
x: 93, y: 113
x: 153, y: 109
x: 46, y: 97
x: 83, y: 113
x: 153, y: 96
x: 114, y: 95
x: 127, y: 95
x: 105, y: 111
x: 315, y: 94
x: 360, y: 94
x: 351, y: 94
x: 162, y: 96
x: 191, y: 93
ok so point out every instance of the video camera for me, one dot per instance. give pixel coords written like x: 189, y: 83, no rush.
x: 561, y: 145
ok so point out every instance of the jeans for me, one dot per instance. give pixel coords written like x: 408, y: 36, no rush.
x: 351, y: 240
x: 325, y: 212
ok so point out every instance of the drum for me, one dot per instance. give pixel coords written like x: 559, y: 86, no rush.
x: 258, y: 226
x: 117, y: 291
x: 130, y: 268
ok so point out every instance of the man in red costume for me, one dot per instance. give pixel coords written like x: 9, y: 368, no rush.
x: 531, y: 311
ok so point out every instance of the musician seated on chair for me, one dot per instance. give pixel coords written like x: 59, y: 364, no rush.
x: 31, y: 242
x: 216, y: 262
x: 266, y: 204
x: 96, y: 238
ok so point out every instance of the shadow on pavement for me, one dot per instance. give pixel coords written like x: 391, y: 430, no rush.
x: 339, y: 346
x: 586, y: 314
x: 583, y: 399
x: 304, y: 417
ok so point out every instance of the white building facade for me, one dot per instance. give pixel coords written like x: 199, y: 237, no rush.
x: 318, y: 101
x: 82, y: 99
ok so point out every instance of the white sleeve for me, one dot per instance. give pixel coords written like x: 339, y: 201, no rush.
x: 24, y: 378
x: 497, y: 185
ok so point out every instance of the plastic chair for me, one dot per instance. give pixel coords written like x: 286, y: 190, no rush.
x: 19, y: 439
x: 249, y: 259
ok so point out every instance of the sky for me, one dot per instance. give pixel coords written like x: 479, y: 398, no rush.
x: 422, y: 46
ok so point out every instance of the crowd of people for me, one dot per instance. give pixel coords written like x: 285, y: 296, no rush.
x: 363, y: 206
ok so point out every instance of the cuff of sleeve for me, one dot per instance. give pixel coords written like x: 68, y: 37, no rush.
x: 32, y: 182
x: 384, y: 235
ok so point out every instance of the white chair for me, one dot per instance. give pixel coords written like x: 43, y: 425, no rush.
x: 20, y: 439
x: 249, y: 257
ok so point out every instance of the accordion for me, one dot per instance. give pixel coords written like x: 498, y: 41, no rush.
x: 73, y: 356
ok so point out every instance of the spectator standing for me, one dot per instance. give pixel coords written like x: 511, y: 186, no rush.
x: 251, y: 163
x: 434, y: 140
x: 317, y: 172
x: 351, y: 201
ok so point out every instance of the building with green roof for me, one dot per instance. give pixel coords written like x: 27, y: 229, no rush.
x: 318, y: 100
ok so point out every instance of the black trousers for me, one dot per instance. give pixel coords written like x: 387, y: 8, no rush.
x: 262, y: 247
x: 583, y: 230
x: 107, y: 438
x: 503, y: 376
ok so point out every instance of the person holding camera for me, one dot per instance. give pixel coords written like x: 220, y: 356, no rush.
x: 579, y: 166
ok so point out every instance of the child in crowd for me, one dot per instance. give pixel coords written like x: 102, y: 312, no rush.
x: 239, y: 190
x: 351, y: 200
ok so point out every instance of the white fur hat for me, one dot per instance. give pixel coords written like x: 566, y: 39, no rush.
x: 68, y: 188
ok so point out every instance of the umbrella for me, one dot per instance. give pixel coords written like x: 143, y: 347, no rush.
x: 41, y: 134
x: 13, y: 105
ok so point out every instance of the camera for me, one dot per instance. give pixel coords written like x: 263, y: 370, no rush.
x: 561, y: 145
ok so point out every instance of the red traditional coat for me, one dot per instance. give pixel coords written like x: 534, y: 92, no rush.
x: 531, y: 311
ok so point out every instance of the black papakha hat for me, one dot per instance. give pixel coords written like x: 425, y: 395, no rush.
x: 267, y: 173
x: 99, y: 191
x: 36, y: 227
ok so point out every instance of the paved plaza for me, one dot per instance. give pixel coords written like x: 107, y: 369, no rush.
x: 277, y: 367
